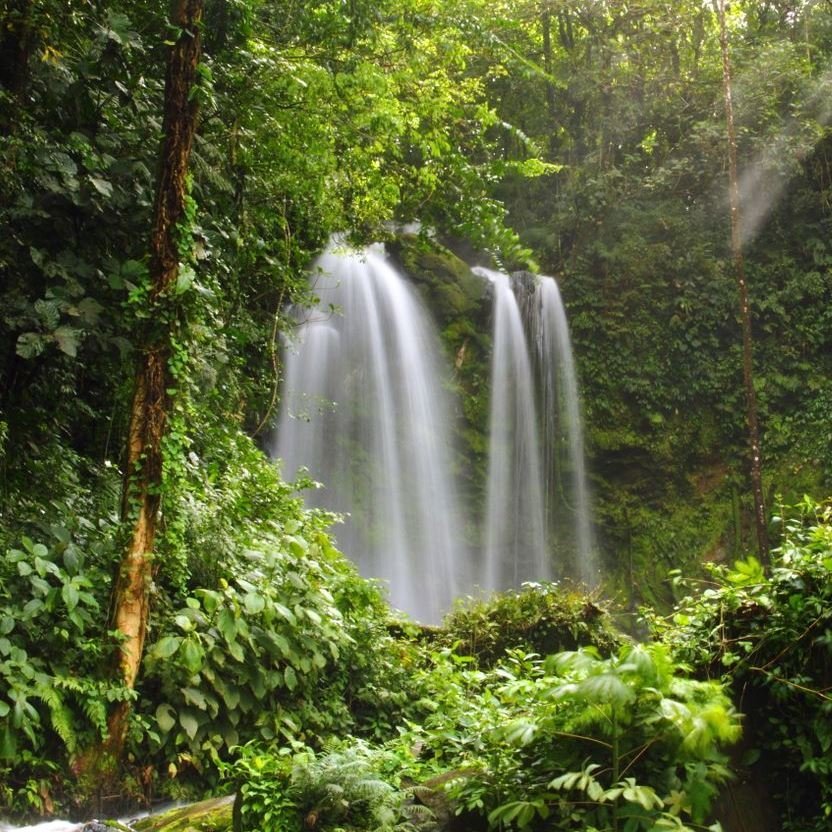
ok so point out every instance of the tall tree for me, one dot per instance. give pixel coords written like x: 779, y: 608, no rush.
x: 151, y: 393
x: 16, y: 42
x: 742, y: 287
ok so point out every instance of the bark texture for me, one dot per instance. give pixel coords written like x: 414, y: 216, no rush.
x: 760, y: 515
x: 150, y: 405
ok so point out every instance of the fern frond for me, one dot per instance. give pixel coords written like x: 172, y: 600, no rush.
x: 59, y: 715
x: 418, y: 812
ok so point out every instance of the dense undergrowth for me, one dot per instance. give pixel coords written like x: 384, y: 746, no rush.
x: 271, y: 665
x: 274, y: 668
x: 634, y: 738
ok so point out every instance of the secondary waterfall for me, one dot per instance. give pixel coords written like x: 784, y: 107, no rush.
x: 364, y: 411
x: 514, y: 525
x: 564, y: 459
x: 538, y: 513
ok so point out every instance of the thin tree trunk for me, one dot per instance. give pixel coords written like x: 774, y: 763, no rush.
x: 17, y: 41
x: 548, y: 62
x: 760, y: 517
x: 151, y: 404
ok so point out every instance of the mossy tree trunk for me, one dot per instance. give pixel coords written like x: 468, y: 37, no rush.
x: 151, y: 397
x: 752, y: 419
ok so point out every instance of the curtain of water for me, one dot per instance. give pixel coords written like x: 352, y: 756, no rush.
x: 538, y: 513
x: 363, y: 409
x: 562, y: 428
x: 515, y: 546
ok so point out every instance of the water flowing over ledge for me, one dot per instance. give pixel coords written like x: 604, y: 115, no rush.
x: 365, y: 410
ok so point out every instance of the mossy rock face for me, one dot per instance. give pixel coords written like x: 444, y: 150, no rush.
x: 214, y: 815
x: 450, y: 288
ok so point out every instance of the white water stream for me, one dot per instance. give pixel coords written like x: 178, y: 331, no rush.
x: 563, y: 442
x: 47, y: 826
x: 364, y: 410
x: 514, y: 544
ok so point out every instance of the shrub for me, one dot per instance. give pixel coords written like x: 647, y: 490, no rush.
x: 541, y: 618
x: 579, y: 741
x: 770, y: 637
x: 350, y: 786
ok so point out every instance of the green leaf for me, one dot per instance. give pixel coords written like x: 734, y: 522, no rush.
x: 285, y: 612
x: 191, y: 655
x: 230, y: 736
x: 90, y: 311
x: 189, y: 723
x: 282, y: 644
x: 227, y: 624
x: 231, y: 697
x: 70, y: 595
x: 8, y: 743
x: 67, y: 340
x: 193, y: 696
x: 184, y: 279
x: 313, y: 616
x: 165, y: 717
x: 521, y: 732
x: 166, y: 647
x: 606, y: 687
x: 254, y: 603
x: 645, y: 796
x: 102, y: 186
x: 30, y: 345
x: 291, y: 678
x: 71, y: 558
x: 236, y: 651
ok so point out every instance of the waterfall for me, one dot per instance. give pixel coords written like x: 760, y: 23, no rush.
x: 566, y: 479
x: 515, y: 547
x: 364, y: 411
x: 538, y: 509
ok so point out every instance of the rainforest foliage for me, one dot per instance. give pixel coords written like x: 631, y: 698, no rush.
x: 587, y: 139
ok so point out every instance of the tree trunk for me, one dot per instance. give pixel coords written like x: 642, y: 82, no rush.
x: 150, y: 405
x: 16, y: 44
x: 760, y: 517
x: 548, y: 62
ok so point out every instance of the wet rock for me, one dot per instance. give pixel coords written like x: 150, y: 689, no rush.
x: 212, y: 815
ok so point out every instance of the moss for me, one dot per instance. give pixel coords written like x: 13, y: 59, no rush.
x: 541, y: 618
x: 214, y: 815
x: 448, y: 285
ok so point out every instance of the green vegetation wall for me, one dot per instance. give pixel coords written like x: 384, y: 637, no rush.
x: 626, y: 102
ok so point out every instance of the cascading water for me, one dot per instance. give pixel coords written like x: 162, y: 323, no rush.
x: 515, y: 547
x: 565, y: 468
x: 538, y: 503
x: 364, y: 411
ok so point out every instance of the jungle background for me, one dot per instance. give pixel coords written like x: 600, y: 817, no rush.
x: 586, y: 140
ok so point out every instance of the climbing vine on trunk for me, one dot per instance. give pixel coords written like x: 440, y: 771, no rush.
x: 154, y: 381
